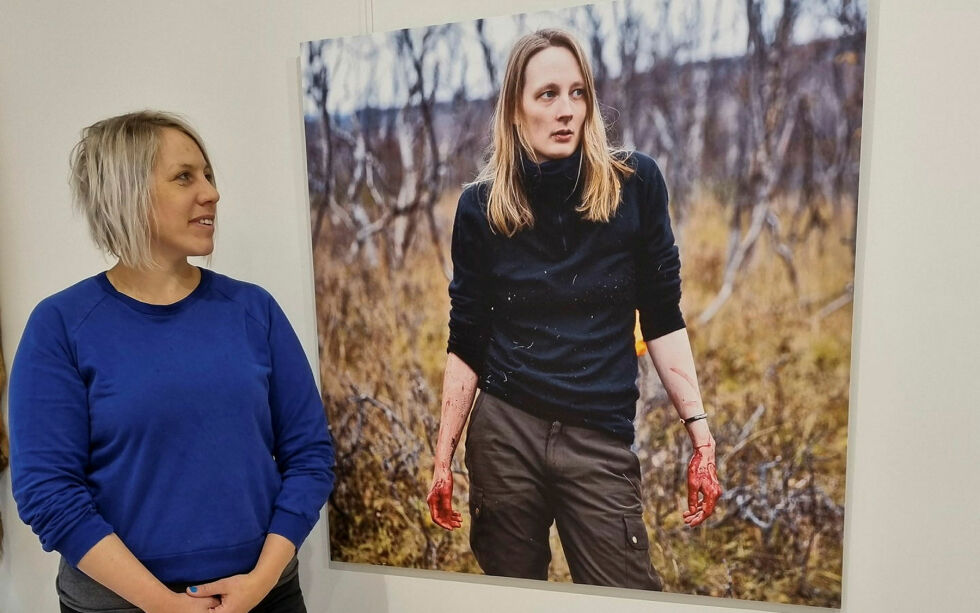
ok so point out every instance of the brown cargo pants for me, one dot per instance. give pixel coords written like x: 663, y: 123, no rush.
x: 527, y: 472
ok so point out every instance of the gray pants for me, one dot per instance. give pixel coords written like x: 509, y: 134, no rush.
x: 526, y: 472
x: 81, y: 594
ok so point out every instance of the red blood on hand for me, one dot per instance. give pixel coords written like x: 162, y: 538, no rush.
x: 703, y: 488
x: 440, y: 501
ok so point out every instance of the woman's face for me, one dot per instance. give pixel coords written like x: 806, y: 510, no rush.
x: 553, y: 103
x: 184, y: 200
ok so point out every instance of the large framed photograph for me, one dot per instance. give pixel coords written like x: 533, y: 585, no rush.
x: 741, y: 120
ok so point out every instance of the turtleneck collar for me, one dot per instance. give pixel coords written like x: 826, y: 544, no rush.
x: 554, y: 180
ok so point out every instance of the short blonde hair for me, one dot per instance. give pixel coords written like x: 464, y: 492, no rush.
x: 603, y: 167
x: 111, y: 180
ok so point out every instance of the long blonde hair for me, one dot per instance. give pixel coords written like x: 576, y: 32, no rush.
x: 602, y: 167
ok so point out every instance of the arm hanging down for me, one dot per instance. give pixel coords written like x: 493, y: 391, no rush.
x: 469, y: 324
x: 674, y: 362
x: 659, y: 295
x: 458, y: 390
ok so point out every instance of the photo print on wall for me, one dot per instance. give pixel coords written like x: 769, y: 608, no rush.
x: 748, y: 114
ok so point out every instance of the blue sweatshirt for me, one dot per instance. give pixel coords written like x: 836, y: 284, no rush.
x: 191, y: 430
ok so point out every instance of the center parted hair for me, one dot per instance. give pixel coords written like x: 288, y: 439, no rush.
x: 603, y: 167
x: 112, y: 180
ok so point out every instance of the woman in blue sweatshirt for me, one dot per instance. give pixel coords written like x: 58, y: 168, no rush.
x: 556, y: 246
x: 167, y: 436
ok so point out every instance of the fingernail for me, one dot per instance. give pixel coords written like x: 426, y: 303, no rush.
x: 193, y: 590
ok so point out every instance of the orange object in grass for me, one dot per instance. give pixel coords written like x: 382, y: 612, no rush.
x: 641, y: 347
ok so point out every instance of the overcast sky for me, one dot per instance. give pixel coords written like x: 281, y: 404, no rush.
x: 366, y: 70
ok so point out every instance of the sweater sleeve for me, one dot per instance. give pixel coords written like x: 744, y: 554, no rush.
x: 49, y: 442
x: 658, y: 263
x: 303, y: 445
x: 469, y: 295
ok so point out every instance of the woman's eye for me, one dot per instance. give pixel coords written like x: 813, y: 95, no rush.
x: 578, y: 92
x: 548, y: 94
x: 184, y: 177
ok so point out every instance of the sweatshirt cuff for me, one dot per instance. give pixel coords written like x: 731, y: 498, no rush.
x: 81, y: 538
x: 474, y: 357
x: 658, y: 322
x: 291, y: 526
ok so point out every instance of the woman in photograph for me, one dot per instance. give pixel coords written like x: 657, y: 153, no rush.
x: 556, y: 246
x: 167, y: 435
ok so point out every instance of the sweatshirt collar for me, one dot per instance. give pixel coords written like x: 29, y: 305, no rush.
x: 552, y: 181
x: 157, y: 309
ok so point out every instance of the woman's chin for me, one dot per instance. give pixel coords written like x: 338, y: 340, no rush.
x: 201, y: 251
x: 557, y: 152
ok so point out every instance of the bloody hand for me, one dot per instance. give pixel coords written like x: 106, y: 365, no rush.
x: 440, y: 501
x: 702, y: 479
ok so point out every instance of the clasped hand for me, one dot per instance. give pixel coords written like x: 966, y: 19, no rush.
x: 236, y: 594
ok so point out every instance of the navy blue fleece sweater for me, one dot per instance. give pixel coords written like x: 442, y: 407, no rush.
x: 191, y: 430
x: 546, y: 317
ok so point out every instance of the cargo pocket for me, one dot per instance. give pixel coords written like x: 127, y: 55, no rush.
x: 477, y: 520
x: 639, y: 571
x: 486, y: 549
x: 636, y: 533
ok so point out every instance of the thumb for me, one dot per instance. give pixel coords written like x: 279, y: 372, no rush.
x: 215, y: 588
x: 693, y: 485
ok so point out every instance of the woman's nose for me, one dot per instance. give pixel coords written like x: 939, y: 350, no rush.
x: 564, y: 108
x: 209, y: 194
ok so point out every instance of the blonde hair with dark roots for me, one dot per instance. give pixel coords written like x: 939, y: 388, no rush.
x: 112, y: 184
x: 603, y: 167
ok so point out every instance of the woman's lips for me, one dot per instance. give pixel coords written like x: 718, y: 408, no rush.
x: 563, y: 136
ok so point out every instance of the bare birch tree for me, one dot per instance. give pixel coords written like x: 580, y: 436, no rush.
x: 768, y: 125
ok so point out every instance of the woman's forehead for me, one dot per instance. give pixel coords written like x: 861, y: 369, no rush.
x: 552, y: 64
x: 176, y: 148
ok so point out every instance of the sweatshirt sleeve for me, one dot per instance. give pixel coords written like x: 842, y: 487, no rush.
x: 303, y: 445
x: 658, y: 263
x: 469, y: 295
x: 49, y: 440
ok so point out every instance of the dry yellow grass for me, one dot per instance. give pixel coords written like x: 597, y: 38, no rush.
x: 774, y: 376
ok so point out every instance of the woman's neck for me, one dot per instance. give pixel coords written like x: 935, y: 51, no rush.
x: 553, y: 181
x: 165, y: 285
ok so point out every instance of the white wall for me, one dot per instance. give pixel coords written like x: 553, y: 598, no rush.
x: 912, y: 526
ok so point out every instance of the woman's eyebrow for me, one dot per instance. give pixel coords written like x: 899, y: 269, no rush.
x: 545, y: 86
x: 553, y: 85
x: 188, y: 166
